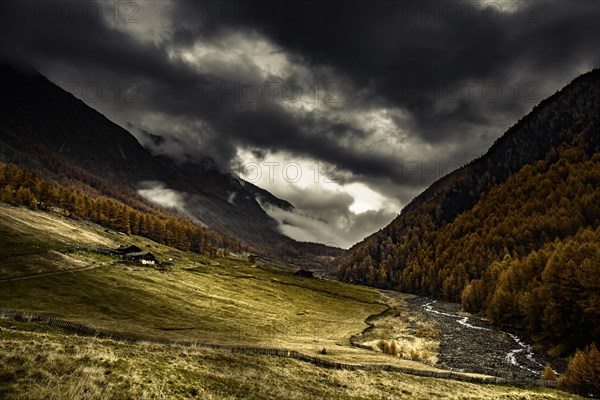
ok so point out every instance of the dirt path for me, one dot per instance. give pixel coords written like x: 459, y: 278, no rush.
x: 471, y: 344
x: 69, y: 271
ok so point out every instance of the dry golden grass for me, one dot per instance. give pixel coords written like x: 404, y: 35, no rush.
x: 53, y: 227
x: 32, y: 241
x: 226, y: 301
x: 41, y: 362
x: 402, y: 333
x: 210, y: 300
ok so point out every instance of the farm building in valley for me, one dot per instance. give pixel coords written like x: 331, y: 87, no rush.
x: 133, y: 252
x: 304, y: 273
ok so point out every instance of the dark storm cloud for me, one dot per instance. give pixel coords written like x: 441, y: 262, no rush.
x: 441, y: 63
x: 413, y: 53
x: 77, y: 34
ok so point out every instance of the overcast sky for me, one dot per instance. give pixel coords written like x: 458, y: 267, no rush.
x: 347, y: 110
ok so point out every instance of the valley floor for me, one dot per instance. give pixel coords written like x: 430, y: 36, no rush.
x: 39, y: 361
x: 229, y: 301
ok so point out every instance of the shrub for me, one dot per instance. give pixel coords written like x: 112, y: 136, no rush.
x: 427, y: 332
x: 414, y: 354
x: 548, y: 374
x: 391, y: 348
x: 583, y: 373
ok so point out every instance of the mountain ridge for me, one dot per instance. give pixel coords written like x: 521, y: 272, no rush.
x: 35, y: 109
x: 452, y: 240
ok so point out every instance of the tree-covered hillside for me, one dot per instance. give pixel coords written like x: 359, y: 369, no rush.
x: 515, y: 233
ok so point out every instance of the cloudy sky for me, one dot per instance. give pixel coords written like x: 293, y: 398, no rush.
x: 347, y: 110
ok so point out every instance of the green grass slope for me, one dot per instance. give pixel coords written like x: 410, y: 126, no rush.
x: 222, y: 301
x: 225, y: 300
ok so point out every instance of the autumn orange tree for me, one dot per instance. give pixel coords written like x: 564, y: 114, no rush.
x: 525, y: 255
x: 583, y: 373
x: 21, y: 187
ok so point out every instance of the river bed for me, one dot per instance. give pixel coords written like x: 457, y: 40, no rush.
x: 471, y: 344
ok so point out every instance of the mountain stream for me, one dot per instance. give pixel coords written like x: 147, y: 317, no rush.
x: 471, y: 344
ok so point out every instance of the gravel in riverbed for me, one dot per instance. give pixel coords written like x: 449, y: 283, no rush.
x: 473, y: 345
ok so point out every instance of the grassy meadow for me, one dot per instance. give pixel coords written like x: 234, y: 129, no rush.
x: 191, y: 297
x: 42, y: 362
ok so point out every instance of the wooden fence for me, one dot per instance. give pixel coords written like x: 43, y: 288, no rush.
x: 85, y: 330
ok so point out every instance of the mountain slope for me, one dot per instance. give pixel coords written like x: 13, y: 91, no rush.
x: 221, y: 200
x: 537, y: 187
x: 34, y: 108
x: 40, y: 122
x: 23, y: 188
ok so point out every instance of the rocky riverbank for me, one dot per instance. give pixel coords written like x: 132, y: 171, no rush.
x: 471, y: 344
